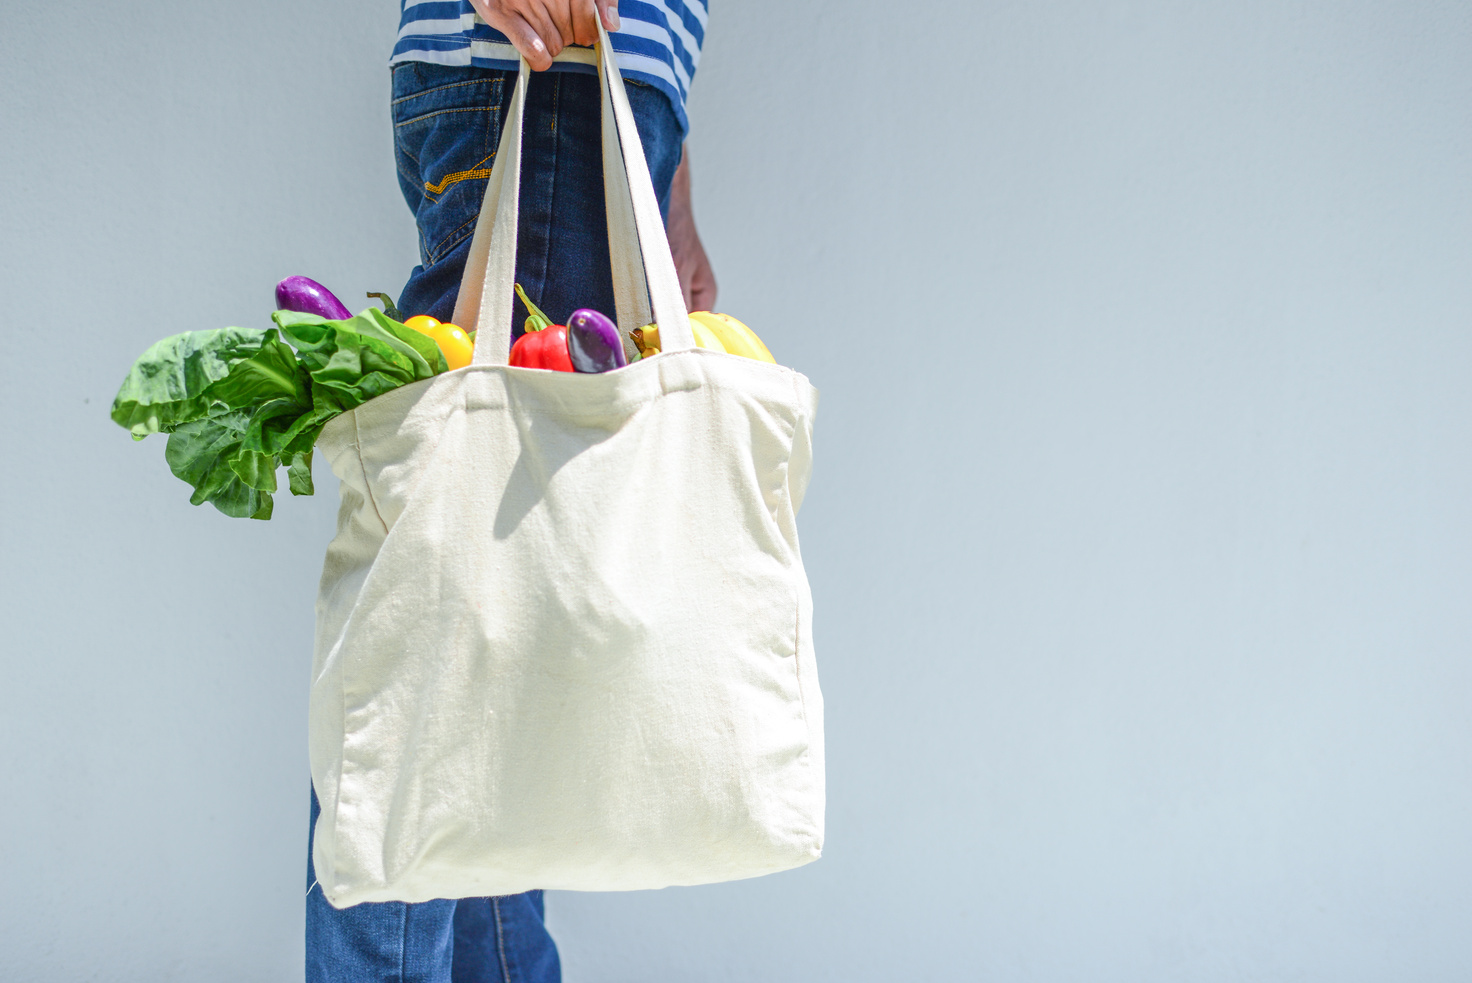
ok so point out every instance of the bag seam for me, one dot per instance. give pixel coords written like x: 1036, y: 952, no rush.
x: 342, y: 760
x: 802, y: 698
x: 363, y: 473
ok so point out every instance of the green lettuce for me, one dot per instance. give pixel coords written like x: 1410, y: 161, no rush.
x: 239, y: 403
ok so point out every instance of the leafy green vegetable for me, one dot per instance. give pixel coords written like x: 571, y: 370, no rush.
x: 238, y: 403
x: 166, y: 385
x: 205, y: 452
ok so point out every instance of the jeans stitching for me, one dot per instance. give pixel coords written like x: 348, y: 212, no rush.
x: 500, y: 940
x: 405, y: 174
x: 442, y: 88
x: 441, y: 249
x: 404, y: 943
x: 441, y: 112
x: 456, y: 177
x: 410, y: 177
x: 552, y: 171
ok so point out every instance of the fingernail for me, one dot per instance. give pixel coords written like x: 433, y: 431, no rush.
x: 613, y: 16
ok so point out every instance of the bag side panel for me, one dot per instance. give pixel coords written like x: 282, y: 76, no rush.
x: 799, y: 473
x: 350, y: 557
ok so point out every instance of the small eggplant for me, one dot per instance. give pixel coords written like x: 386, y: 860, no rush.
x: 593, y: 343
x: 298, y: 293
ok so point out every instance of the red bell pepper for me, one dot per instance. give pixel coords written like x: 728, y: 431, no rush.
x: 543, y: 349
x: 544, y: 346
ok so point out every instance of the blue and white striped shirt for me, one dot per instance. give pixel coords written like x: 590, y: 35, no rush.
x: 658, y: 41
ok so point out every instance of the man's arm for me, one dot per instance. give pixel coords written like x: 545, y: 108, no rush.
x: 697, y: 279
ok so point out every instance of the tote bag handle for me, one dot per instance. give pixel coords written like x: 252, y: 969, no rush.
x: 644, y: 274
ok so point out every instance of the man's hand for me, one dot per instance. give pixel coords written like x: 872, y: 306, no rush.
x: 540, y: 29
x: 697, y: 279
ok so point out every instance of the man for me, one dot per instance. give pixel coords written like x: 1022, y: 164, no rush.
x: 454, y: 69
x: 453, y: 79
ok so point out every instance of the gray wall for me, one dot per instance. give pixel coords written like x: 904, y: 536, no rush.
x: 1140, y: 532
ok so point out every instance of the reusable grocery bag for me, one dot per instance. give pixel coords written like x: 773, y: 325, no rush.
x: 564, y: 634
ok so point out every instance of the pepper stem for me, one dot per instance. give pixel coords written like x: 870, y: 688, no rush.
x: 389, y: 310
x: 537, y: 321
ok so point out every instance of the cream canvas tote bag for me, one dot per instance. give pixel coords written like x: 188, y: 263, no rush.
x: 564, y: 635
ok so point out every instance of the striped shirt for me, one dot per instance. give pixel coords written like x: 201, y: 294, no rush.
x: 658, y: 41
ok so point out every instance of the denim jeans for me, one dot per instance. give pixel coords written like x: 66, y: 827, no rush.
x: 447, y: 126
x: 469, y: 940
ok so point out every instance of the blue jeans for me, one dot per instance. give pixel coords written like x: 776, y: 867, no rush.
x: 447, y: 126
x: 470, y: 940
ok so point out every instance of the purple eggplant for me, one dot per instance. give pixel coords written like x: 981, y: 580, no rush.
x: 593, y: 343
x: 297, y: 293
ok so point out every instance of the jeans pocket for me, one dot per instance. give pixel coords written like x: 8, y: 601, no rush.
x: 447, y: 125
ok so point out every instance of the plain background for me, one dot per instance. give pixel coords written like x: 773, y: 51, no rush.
x: 1140, y: 528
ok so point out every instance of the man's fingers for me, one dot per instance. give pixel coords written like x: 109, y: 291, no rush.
x: 557, y: 13
x: 584, y: 21
x: 608, y: 9
x: 527, y: 40
x: 703, y: 296
x: 540, y: 29
x: 700, y: 296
